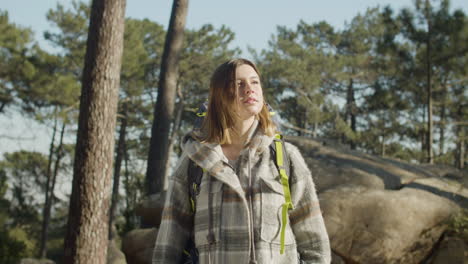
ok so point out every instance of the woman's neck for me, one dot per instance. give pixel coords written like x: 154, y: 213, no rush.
x: 240, y: 131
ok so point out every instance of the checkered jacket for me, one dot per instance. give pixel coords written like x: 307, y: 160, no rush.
x: 229, y: 209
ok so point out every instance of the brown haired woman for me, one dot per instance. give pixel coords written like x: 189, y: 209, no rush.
x: 239, y: 216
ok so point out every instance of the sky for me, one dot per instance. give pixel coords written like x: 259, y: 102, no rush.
x: 253, y: 21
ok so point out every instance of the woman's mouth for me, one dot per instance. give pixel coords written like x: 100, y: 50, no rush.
x: 250, y: 100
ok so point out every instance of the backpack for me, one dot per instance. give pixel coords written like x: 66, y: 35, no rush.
x: 195, y: 174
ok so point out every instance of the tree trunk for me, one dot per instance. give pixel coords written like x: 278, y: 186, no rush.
x: 315, y: 128
x: 382, y: 150
x: 443, y: 119
x: 50, y: 195
x: 423, y: 133
x: 117, y: 166
x: 305, y: 122
x: 461, y: 140
x: 430, y: 154
x: 164, y: 109
x: 175, y: 129
x: 461, y: 150
x: 351, y: 110
x: 128, y: 208
x: 86, y: 240
x: 44, y: 230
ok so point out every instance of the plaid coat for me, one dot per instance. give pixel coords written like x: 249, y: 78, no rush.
x: 234, y: 223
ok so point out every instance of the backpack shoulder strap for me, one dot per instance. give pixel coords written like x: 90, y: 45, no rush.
x: 283, y: 165
x: 195, y: 174
x: 278, y: 140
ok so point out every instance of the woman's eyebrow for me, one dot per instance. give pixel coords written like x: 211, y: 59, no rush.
x: 251, y: 77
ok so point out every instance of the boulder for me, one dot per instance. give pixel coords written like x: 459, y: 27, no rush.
x: 36, y: 261
x: 150, y: 210
x: 384, y: 226
x: 376, y: 210
x: 443, y: 187
x: 138, y: 245
x: 332, y: 167
x: 114, y: 255
x: 337, y: 259
x: 451, y: 250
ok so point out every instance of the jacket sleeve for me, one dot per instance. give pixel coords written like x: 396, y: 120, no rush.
x: 177, y: 219
x: 306, y: 218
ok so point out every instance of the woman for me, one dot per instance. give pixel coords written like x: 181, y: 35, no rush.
x: 238, y: 216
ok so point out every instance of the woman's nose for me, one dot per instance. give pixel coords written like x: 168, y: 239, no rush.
x: 248, y: 90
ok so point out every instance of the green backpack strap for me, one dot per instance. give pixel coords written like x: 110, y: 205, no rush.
x: 282, y: 162
x: 195, y: 174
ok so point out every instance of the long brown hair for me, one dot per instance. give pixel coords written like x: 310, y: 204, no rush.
x: 222, y: 102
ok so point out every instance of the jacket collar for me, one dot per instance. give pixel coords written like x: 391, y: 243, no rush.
x: 210, y: 156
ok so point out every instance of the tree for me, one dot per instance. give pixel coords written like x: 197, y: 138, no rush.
x: 432, y: 31
x: 164, y: 109
x: 24, y: 172
x: 143, y: 45
x: 293, y: 72
x: 50, y: 187
x: 71, y: 39
x: 15, y: 42
x: 87, y: 233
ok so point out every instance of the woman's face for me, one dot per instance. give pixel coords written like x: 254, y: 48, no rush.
x: 249, y: 89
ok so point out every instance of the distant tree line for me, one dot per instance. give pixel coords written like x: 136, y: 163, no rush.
x: 389, y: 83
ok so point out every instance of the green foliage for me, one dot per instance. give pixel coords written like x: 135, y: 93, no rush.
x: 295, y: 71
x: 73, y: 32
x: 365, y: 85
x: 362, y: 85
x: 24, y: 172
x: 458, y: 225
x: 22, y: 235
x: 11, y: 249
x: 15, y: 42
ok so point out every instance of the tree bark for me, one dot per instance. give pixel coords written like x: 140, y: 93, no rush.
x: 117, y: 166
x: 382, y: 150
x: 59, y: 155
x: 164, y: 109
x: 430, y: 154
x: 128, y: 205
x: 86, y: 240
x: 443, y: 119
x: 175, y: 129
x: 351, y: 110
x: 44, y: 230
x: 461, y: 140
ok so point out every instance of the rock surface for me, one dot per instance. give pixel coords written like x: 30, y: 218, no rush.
x: 377, y: 210
x: 451, y: 250
x: 138, y: 245
x: 114, y: 255
x: 150, y: 210
x: 384, y: 226
x: 36, y: 261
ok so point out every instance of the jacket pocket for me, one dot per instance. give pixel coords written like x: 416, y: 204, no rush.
x: 272, y: 209
x: 203, y: 211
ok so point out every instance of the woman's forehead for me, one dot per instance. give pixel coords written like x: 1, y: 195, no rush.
x: 246, y: 71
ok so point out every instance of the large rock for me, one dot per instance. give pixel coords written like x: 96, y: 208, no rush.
x: 451, y: 250
x: 384, y: 226
x: 443, y: 187
x: 114, y: 255
x: 138, y: 245
x: 150, y: 210
x: 36, y: 261
x: 377, y: 210
x: 332, y: 167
